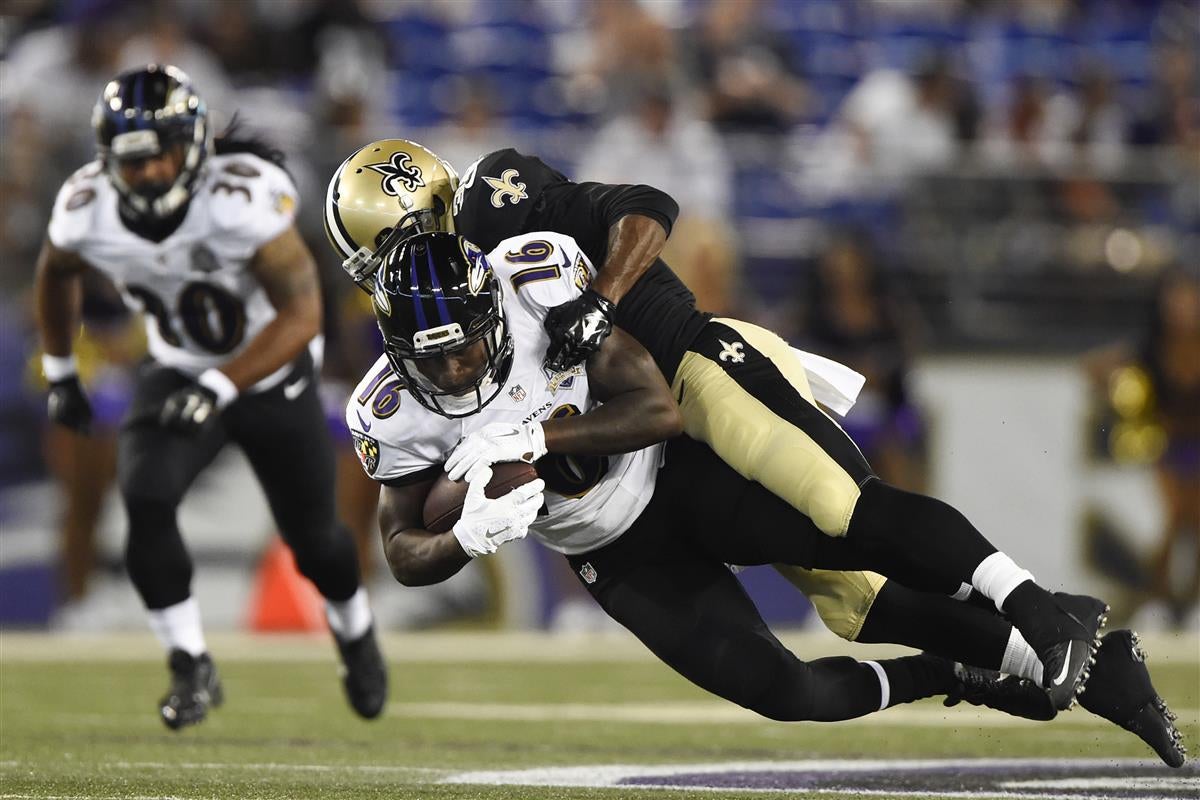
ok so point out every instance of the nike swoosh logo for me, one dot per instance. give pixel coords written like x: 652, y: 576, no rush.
x: 292, y: 390
x: 1062, y: 676
x: 366, y: 426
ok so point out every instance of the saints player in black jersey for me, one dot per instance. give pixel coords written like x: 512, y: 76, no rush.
x: 200, y: 236
x: 740, y: 388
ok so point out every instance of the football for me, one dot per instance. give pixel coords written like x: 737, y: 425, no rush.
x: 444, y: 504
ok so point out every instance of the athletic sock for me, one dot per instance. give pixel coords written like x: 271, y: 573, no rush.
x: 997, y: 576
x: 178, y: 627
x: 349, y: 619
x: 1020, y: 659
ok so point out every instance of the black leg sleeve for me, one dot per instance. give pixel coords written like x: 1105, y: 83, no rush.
x: 155, y: 468
x: 289, y: 447
x: 936, y: 623
x: 920, y: 541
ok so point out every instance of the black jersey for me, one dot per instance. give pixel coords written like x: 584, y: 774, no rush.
x: 506, y: 193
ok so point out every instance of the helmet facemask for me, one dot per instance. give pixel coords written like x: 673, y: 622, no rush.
x: 145, y: 128
x: 365, y: 263
x: 435, y: 295
x: 481, y: 391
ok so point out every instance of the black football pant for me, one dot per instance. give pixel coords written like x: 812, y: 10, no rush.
x: 666, y: 581
x: 288, y: 447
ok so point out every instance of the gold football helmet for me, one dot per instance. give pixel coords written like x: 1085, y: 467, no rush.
x: 382, y: 194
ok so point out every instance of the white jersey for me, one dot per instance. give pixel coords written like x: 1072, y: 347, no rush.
x: 202, y: 303
x: 591, y: 500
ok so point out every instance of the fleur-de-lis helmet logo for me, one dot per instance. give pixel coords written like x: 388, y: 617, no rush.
x: 396, y: 171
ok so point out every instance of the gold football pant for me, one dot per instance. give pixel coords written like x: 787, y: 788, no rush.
x: 744, y: 393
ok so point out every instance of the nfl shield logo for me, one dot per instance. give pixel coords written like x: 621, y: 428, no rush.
x: 517, y: 393
x: 588, y: 573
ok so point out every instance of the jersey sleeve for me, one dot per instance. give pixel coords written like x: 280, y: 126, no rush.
x: 497, y: 193
x: 541, y: 270
x: 389, y: 446
x: 253, y: 201
x: 75, y: 207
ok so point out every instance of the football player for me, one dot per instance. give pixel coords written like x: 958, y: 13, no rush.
x: 200, y: 236
x: 744, y: 395
x: 463, y: 385
x: 740, y: 388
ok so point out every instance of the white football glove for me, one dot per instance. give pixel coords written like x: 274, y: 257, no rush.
x: 486, y: 524
x: 496, y: 442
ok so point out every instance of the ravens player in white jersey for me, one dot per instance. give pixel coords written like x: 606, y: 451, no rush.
x: 200, y: 236
x: 462, y: 385
x: 390, y: 188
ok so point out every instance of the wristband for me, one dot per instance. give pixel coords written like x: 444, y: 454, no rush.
x: 219, y: 384
x: 58, y: 368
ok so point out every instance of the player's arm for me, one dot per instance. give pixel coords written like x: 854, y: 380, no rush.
x: 418, y: 557
x: 637, y: 408
x: 636, y: 221
x: 415, y: 556
x: 58, y: 292
x: 287, y: 272
x: 58, y: 295
x: 637, y: 411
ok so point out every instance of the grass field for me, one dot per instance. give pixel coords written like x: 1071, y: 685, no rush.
x: 78, y: 720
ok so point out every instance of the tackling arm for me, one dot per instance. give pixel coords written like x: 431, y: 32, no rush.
x: 633, y: 222
x: 637, y: 407
x: 415, y: 556
x: 634, y: 242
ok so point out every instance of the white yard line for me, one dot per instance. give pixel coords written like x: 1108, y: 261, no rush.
x: 625, y: 776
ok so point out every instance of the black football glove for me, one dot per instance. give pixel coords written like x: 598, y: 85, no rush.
x: 189, y: 410
x: 67, y: 405
x: 577, y: 329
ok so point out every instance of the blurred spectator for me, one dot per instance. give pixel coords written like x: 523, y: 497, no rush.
x: 160, y: 37
x: 235, y: 37
x: 51, y: 79
x: 851, y: 315
x: 1086, y: 131
x: 624, y: 47
x: 473, y: 129
x: 660, y: 143
x: 890, y: 128
x: 745, y: 70
x: 1170, y: 113
x: 1154, y: 387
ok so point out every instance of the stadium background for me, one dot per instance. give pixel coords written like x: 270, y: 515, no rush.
x: 961, y: 198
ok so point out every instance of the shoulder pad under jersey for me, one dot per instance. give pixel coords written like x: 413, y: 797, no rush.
x: 496, y: 194
x: 75, y: 206
x: 542, y: 269
x: 249, y: 197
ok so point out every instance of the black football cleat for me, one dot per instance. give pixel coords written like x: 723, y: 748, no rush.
x: 194, y: 688
x: 1120, y: 691
x: 1008, y: 693
x: 1067, y: 660
x: 364, y: 674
